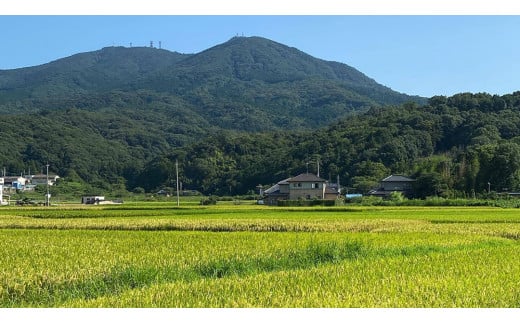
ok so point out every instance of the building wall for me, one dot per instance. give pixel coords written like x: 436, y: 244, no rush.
x: 306, y: 185
x: 273, y: 200
x: 20, y: 181
x: 396, y: 186
x: 284, y: 188
x: 92, y: 199
x: 330, y: 196
x: 306, y: 190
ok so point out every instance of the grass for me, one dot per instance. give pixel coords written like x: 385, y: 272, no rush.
x: 146, y: 255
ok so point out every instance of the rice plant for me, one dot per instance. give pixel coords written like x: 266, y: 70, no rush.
x: 250, y: 256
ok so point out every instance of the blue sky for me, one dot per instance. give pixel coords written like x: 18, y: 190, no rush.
x: 416, y: 54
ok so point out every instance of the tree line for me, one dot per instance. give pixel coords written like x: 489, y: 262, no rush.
x: 457, y: 146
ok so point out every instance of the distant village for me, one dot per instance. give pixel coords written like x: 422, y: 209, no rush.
x: 306, y: 186
x: 11, y: 184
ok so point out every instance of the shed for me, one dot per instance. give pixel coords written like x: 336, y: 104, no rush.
x: 92, y: 199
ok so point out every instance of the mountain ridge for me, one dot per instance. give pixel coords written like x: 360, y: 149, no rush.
x: 240, y: 59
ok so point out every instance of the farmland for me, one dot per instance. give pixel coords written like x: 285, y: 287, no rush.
x: 161, y: 255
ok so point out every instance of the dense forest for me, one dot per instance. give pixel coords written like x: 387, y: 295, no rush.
x: 246, y: 112
x: 453, y: 146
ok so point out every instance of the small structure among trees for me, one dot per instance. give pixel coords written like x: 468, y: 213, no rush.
x: 92, y: 199
x: 392, y: 184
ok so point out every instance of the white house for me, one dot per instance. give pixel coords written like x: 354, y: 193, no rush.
x: 41, y: 179
x: 15, y: 182
x: 92, y: 199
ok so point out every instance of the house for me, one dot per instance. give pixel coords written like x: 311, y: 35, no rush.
x: 394, y: 183
x: 16, y: 182
x: 304, y: 186
x: 279, y: 191
x: 92, y: 199
x: 43, y: 179
x: 164, y: 193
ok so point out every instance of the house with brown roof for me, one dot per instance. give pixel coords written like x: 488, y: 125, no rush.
x: 305, y: 186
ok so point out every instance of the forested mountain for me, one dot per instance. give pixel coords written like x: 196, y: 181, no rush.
x: 87, y: 73
x: 102, y: 116
x: 246, y: 112
x: 454, y: 146
x: 245, y: 81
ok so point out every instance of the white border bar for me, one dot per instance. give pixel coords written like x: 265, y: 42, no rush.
x: 265, y: 7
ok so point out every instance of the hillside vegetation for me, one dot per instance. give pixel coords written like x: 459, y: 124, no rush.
x: 246, y: 112
x: 459, y: 146
x: 100, y: 117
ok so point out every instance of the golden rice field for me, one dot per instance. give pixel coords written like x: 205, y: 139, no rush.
x: 160, y: 255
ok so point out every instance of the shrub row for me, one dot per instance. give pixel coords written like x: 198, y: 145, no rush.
x: 306, y: 203
x: 435, y: 201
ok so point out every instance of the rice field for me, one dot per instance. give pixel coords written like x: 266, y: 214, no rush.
x: 229, y: 256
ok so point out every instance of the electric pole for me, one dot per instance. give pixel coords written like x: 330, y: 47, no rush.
x: 177, y: 175
x: 48, y: 195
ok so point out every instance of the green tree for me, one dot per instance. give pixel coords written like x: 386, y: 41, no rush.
x: 505, y: 167
x: 428, y: 184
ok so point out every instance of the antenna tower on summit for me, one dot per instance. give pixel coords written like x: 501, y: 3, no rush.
x: 160, y: 43
x: 151, y: 43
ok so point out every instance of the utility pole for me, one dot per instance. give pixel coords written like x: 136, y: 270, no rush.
x: 48, y: 195
x: 177, y: 175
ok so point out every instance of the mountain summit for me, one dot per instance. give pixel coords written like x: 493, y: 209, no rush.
x: 242, y: 82
x: 276, y: 70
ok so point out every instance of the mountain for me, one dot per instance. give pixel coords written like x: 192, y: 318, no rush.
x: 247, y: 77
x: 103, y: 115
x: 261, y: 82
x: 250, y: 59
x: 93, y: 72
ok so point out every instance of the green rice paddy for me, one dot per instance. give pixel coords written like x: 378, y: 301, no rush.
x: 160, y: 255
